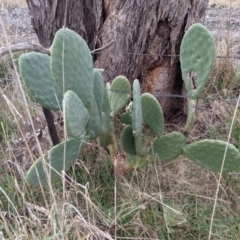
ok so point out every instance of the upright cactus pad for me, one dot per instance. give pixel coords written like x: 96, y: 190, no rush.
x: 36, y: 74
x: 209, y: 154
x: 94, y: 126
x: 105, y: 138
x: 137, y: 117
x: 137, y: 109
x: 55, y: 162
x: 126, y: 119
x: 106, y: 104
x: 118, y: 94
x: 72, y: 65
x: 169, y: 146
x: 76, y: 115
x: 152, y: 113
x: 197, y: 54
x: 98, y: 89
x: 128, y: 141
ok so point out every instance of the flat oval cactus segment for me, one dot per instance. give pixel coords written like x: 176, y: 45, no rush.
x: 76, y: 114
x: 209, y: 154
x: 94, y: 126
x: 137, y: 117
x: 119, y: 94
x: 36, y: 74
x: 197, y: 54
x: 106, y: 104
x: 152, y: 113
x: 136, y: 109
x: 98, y: 89
x: 56, y: 160
x: 128, y: 141
x: 72, y: 65
x: 169, y: 146
x: 126, y: 118
x: 105, y: 138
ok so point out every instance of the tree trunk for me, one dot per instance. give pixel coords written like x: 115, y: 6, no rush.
x: 148, y: 29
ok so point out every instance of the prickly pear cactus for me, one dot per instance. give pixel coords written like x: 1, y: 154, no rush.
x: 197, y: 54
x: 76, y: 115
x: 118, y: 94
x: 89, y: 108
x: 128, y: 140
x: 61, y: 157
x: 98, y: 89
x: 137, y: 117
x: 152, y: 113
x: 169, y: 146
x: 72, y: 65
x: 37, y: 77
x: 210, y: 153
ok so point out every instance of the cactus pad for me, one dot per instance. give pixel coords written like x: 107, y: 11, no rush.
x: 152, y: 113
x: 128, y: 141
x: 106, y: 104
x: 197, y: 54
x: 56, y: 160
x: 76, y: 114
x: 126, y: 119
x: 118, y: 94
x: 105, y: 138
x: 169, y: 146
x: 94, y: 126
x: 72, y: 65
x: 137, y: 117
x: 137, y: 109
x: 209, y: 154
x: 36, y: 74
x: 98, y: 89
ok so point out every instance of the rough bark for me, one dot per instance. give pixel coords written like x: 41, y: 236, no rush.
x: 151, y: 28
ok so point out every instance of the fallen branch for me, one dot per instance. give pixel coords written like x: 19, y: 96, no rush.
x: 24, y: 47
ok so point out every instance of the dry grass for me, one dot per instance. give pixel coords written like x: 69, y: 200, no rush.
x: 229, y: 3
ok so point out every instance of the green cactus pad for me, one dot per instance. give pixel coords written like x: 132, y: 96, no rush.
x: 169, y: 146
x: 137, y: 117
x: 76, y: 114
x: 106, y: 137
x: 152, y: 113
x: 94, y: 126
x: 137, y: 109
x: 209, y: 154
x: 56, y: 160
x: 126, y: 118
x: 36, y: 74
x: 118, y: 95
x: 71, y: 65
x: 106, y: 104
x: 197, y: 54
x: 128, y: 141
x: 98, y: 89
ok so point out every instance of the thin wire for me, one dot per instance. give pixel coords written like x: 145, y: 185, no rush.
x: 156, y: 94
x: 169, y: 95
x: 154, y: 55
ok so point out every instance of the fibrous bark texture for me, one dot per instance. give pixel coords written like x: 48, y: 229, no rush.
x: 138, y: 35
